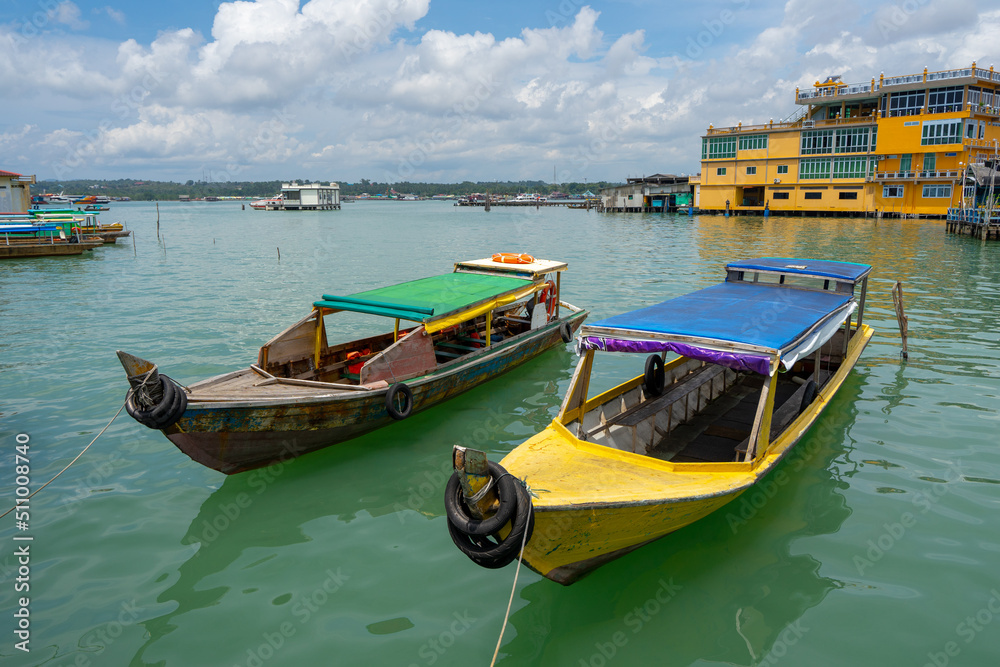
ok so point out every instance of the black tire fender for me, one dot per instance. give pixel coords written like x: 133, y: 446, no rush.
x: 808, y: 396
x: 655, y: 377
x: 566, y: 331
x: 455, y: 506
x: 390, y: 401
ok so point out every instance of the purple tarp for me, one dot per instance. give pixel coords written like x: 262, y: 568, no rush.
x: 739, y: 362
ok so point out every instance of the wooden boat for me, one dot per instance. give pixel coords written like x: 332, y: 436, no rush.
x: 665, y: 448
x: 19, y: 239
x: 304, y: 393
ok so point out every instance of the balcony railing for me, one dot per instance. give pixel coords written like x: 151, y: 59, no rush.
x: 798, y: 124
x: 858, y: 88
x: 914, y: 175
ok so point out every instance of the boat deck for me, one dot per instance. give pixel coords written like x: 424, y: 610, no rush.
x: 246, y: 385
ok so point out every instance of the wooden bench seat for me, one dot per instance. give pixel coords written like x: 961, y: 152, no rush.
x: 674, y: 392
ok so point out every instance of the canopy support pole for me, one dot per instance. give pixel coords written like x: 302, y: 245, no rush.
x: 395, y: 332
x: 489, y: 328
x: 760, y: 435
x: 319, y: 337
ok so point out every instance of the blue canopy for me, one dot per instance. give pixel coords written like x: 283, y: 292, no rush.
x: 845, y: 271
x: 768, y: 316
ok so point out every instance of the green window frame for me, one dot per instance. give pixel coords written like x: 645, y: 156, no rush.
x: 937, y: 132
x: 937, y: 191
x: 930, y: 162
x: 851, y: 140
x: 782, y: 168
x: 720, y: 171
x: 814, y: 168
x: 817, y: 141
x: 721, y: 148
x: 851, y: 167
x: 752, y: 142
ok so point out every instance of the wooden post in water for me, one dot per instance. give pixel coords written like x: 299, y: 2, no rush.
x: 157, y: 219
x: 897, y: 302
x: 473, y: 475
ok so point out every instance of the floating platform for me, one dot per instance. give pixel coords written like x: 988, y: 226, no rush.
x: 976, y: 222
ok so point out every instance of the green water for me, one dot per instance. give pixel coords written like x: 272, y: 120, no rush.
x: 878, y: 543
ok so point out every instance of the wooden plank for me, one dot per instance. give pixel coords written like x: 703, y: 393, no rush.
x: 643, y: 411
x: 410, y: 356
x: 766, y: 401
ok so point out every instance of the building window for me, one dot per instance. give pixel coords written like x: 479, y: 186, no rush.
x: 937, y: 192
x: 852, y: 140
x: 848, y: 195
x: 817, y: 141
x: 751, y: 171
x: 906, y: 104
x: 779, y: 195
x: 753, y: 142
x: 874, y: 137
x: 782, y: 168
x: 814, y: 168
x: 850, y: 167
x: 941, y: 132
x: 720, y: 171
x: 930, y: 161
x: 814, y: 195
x: 969, y: 192
x: 904, y: 162
x: 892, y: 191
x: 721, y: 147
x: 945, y: 100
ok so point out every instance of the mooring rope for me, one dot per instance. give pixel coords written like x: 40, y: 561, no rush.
x: 127, y: 396
x: 517, y: 571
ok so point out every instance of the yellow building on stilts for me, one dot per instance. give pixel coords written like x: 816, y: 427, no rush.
x: 898, y: 146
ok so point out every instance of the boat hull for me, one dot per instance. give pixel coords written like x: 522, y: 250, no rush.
x: 572, y: 538
x: 232, y: 437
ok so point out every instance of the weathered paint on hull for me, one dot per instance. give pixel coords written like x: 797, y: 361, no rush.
x: 44, y: 249
x: 235, y: 439
x: 568, y: 543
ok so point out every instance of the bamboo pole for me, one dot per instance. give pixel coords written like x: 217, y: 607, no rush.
x: 901, y: 319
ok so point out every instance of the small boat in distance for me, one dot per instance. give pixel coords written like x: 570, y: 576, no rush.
x: 269, y: 204
x: 680, y: 440
x: 305, y: 393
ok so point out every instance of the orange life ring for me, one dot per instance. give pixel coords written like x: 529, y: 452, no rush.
x: 513, y: 258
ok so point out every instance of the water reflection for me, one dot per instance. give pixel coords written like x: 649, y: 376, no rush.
x: 732, y: 588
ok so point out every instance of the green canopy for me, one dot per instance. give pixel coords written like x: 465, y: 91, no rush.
x: 430, y: 298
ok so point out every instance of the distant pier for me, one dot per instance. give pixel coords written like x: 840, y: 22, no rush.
x: 977, y: 223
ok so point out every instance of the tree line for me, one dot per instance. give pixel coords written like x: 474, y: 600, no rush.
x: 142, y: 190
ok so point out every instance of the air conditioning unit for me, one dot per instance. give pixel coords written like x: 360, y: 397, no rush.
x: 777, y: 180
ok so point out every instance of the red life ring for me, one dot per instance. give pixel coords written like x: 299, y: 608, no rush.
x: 513, y: 258
x: 547, y: 297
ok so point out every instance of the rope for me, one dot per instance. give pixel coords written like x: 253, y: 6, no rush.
x: 517, y: 571
x: 128, y: 396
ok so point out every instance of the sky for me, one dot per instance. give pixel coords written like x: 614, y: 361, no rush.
x: 434, y: 90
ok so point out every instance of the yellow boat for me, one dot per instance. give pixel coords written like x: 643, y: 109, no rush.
x: 758, y: 358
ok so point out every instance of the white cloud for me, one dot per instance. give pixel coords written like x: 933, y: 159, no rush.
x: 114, y: 14
x: 68, y: 14
x: 352, y: 88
